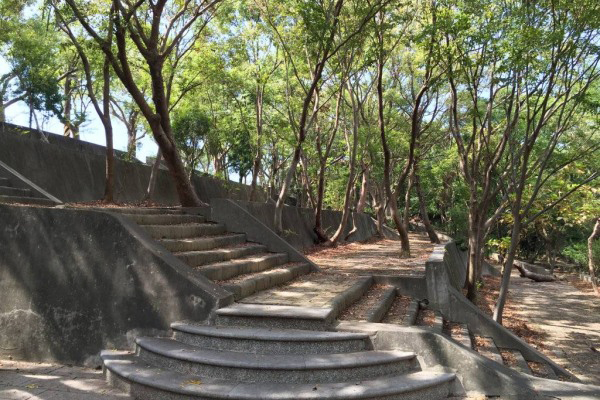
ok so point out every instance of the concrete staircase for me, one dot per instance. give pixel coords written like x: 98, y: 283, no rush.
x: 233, y: 362
x: 257, y: 351
x: 11, y: 194
x: 239, y: 266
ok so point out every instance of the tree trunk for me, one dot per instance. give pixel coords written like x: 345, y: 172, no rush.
x: 533, y: 276
x: 67, y: 127
x: 364, y: 191
x: 278, y: 220
x: 109, y: 186
x: 506, y: 269
x: 259, y: 127
x: 433, y: 237
x: 475, y: 237
x: 594, y: 236
x: 406, y: 213
x: 350, y: 184
x: 391, y: 197
x: 153, y: 177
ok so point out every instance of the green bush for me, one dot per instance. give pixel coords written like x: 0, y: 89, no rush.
x: 577, y: 253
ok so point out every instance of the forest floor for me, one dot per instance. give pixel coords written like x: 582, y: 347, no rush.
x: 560, y: 318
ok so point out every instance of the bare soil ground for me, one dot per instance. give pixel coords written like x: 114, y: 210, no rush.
x: 380, y: 257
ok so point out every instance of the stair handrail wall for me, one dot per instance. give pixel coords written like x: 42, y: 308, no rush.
x: 454, y: 306
x: 27, y: 184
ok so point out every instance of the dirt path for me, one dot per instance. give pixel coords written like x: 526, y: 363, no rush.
x: 379, y: 258
x: 569, y: 318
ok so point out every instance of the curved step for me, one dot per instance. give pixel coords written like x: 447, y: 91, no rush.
x: 275, y: 316
x: 246, y: 265
x: 265, y: 280
x: 203, y: 243
x: 269, y: 341
x: 244, y: 367
x: 197, y: 258
x: 164, y: 219
x: 184, y: 230
x: 146, y: 382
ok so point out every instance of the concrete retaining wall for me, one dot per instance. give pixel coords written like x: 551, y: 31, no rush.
x: 73, y: 282
x: 74, y: 171
x: 298, y: 223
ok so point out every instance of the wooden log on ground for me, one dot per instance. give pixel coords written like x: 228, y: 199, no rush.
x: 533, y: 276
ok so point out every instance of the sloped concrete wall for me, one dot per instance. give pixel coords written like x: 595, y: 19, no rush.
x: 74, y: 171
x: 74, y: 282
x: 298, y: 223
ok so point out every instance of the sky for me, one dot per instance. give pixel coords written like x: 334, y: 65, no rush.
x: 91, y: 130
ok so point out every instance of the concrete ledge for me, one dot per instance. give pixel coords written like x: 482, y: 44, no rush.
x: 238, y: 220
x: 411, y: 286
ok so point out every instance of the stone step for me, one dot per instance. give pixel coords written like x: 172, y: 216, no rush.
x: 184, y: 230
x: 5, y: 182
x: 12, y: 191
x: 520, y: 364
x: 276, y: 368
x: 382, y: 306
x: 26, y: 200
x: 275, y: 316
x: 264, y: 280
x: 203, y: 243
x: 247, y: 265
x: 269, y: 341
x: 150, y: 210
x: 487, y: 348
x: 164, y: 219
x: 412, y: 312
x: 143, y: 381
x: 462, y: 336
x: 197, y: 258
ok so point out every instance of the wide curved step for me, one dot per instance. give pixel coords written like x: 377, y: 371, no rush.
x: 244, y: 367
x: 269, y: 341
x: 151, y: 383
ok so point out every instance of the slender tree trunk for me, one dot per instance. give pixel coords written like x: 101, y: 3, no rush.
x: 391, y: 197
x: 352, y: 148
x: 153, y: 176
x: 285, y: 187
x: 406, y: 213
x: 318, y: 229
x: 67, y: 127
x: 507, y: 268
x: 364, y: 191
x: 259, y: 127
x: 593, y: 237
x: 433, y: 237
x: 109, y: 186
x: 2, y: 109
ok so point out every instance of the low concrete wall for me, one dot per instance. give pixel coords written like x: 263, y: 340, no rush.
x: 298, y: 223
x: 455, y: 307
x: 74, y: 282
x: 74, y: 171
